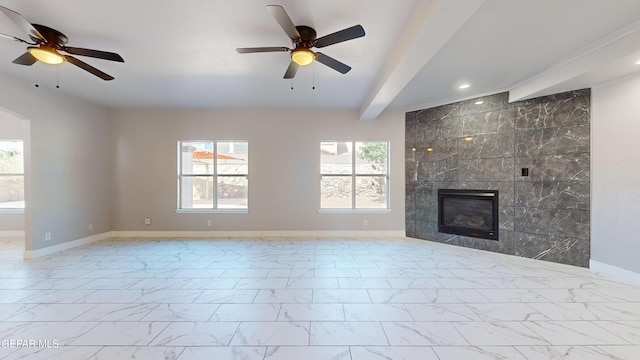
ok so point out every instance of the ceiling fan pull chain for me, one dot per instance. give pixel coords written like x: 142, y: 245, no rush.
x: 313, y: 66
x: 37, y: 76
x: 58, y: 76
x: 291, y: 83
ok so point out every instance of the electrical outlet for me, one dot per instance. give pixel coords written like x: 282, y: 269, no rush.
x: 90, y: 226
x: 147, y: 221
x: 365, y: 222
x: 209, y: 224
x: 47, y: 236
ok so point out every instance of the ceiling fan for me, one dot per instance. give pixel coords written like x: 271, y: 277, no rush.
x: 46, y: 44
x: 303, y: 38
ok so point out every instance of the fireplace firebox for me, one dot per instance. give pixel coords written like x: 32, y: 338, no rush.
x: 471, y: 213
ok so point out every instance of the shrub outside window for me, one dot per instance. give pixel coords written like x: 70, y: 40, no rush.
x: 354, y: 175
x: 213, y: 175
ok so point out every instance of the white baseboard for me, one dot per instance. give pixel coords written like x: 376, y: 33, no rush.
x: 183, y: 234
x: 30, y: 254
x: 253, y: 234
x: 614, y: 271
x: 11, y: 234
x: 330, y: 233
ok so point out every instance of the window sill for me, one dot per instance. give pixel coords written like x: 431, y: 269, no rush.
x: 11, y: 211
x: 212, y: 211
x: 354, y: 211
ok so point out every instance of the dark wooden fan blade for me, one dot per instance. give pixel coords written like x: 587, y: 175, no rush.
x: 291, y: 71
x: 104, y: 55
x: 25, y: 59
x: 261, y: 49
x: 88, y: 68
x: 22, y: 23
x: 333, y: 63
x: 351, y: 33
x: 284, y: 21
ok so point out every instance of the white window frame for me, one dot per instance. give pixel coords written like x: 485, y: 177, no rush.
x: 14, y: 210
x: 214, y: 176
x: 354, y: 175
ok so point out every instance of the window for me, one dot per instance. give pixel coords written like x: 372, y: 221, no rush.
x: 354, y: 175
x: 11, y: 175
x: 213, y: 175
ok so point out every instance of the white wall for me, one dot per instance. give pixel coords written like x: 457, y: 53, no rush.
x: 11, y: 128
x: 615, y: 169
x: 68, y: 176
x: 284, y: 190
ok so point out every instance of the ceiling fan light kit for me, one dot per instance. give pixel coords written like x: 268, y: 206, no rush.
x: 303, y: 38
x: 302, y: 56
x: 46, y: 55
x: 47, y: 43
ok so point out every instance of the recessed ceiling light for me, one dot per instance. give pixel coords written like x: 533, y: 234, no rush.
x: 638, y: 62
x: 479, y: 102
x: 464, y: 86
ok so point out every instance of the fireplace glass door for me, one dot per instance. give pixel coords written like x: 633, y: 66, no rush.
x: 471, y: 213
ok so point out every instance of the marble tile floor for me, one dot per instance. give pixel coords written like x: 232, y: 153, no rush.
x: 294, y: 298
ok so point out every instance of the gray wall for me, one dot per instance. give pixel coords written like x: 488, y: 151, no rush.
x: 615, y: 203
x: 68, y: 175
x: 543, y: 216
x: 284, y: 165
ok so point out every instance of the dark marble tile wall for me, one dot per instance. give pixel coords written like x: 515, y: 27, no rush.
x: 544, y: 215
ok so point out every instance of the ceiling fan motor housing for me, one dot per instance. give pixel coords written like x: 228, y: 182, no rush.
x: 307, y: 37
x: 53, y: 36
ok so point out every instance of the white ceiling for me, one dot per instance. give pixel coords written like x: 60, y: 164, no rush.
x: 414, y: 55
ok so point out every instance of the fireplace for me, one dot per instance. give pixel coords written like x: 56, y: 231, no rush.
x: 471, y: 213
